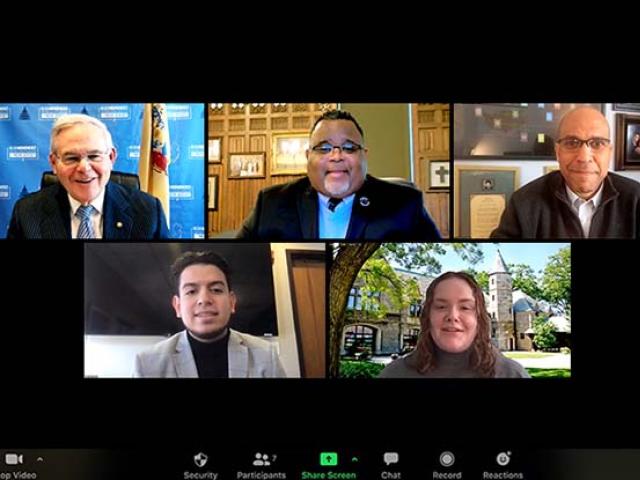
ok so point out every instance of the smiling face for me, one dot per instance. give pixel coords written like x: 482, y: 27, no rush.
x: 336, y: 174
x: 584, y: 168
x: 453, y: 316
x: 204, y: 302
x: 82, y: 159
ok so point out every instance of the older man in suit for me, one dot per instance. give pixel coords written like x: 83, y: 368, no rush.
x: 85, y: 204
x: 207, y: 348
x: 338, y: 199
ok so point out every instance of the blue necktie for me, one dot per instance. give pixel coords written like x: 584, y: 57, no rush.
x: 86, y: 227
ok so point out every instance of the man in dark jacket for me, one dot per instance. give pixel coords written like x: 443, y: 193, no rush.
x: 338, y: 199
x: 85, y: 204
x: 582, y: 200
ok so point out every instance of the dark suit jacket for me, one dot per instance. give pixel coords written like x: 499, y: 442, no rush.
x: 128, y: 214
x: 381, y: 211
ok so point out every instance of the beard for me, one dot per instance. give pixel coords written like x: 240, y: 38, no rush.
x: 337, y: 188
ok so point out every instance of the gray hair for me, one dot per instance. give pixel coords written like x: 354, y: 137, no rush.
x: 65, y: 121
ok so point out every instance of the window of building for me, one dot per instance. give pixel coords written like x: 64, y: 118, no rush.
x: 355, y: 299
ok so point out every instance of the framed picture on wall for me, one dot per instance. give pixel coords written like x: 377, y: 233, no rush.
x: 627, y: 142
x: 439, y: 174
x: 288, y: 154
x: 627, y: 107
x: 481, y: 195
x: 215, y: 150
x: 246, y: 165
x: 213, y: 192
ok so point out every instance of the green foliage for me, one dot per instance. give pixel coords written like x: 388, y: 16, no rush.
x: 482, y: 278
x: 549, y: 372
x: 525, y: 279
x: 421, y: 257
x: 556, y: 280
x: 351, y: 369
x: 383, y: 290
x: 544, y: 333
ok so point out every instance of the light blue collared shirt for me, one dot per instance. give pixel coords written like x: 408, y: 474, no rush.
x: 334, y: 224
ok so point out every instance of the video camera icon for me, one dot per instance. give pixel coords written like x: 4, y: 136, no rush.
x: 13, y: 458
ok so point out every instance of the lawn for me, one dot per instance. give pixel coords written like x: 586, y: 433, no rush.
x: 528, y: 354
x: 549, y: 372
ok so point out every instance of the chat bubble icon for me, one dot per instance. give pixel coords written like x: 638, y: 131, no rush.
x: 390, y: 457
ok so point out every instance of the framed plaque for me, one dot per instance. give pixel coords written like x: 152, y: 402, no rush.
x: 481, y: 195
x: 551, y: 168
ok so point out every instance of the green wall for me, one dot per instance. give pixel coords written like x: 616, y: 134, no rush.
x: 386, y: 134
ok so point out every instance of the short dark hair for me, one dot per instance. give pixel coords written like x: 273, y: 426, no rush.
x: 338, y: 115
x: 199, y: 258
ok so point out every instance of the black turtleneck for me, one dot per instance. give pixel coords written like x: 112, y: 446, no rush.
x: 212, y: 358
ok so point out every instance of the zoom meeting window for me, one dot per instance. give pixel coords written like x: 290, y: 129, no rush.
x: 202, y: 310
x: 437, y: 310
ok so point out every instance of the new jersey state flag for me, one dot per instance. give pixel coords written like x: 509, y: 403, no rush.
x: 155, y: 154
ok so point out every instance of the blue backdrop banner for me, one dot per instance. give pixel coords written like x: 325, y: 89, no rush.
x: 24, y: 152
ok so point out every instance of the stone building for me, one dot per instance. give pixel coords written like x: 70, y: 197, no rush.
x: 511, y: 311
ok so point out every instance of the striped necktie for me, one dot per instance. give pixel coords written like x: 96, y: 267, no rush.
x: 86, y: 227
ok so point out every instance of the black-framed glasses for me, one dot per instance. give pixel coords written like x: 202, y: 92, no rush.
x: 326, y: 148
x: 573, y: 144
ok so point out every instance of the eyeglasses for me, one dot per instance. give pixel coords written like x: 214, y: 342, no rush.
x: 573, y: 144
x: 326, y: 148
x: 73, y: 159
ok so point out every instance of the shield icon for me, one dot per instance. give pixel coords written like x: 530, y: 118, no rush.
x: 200, y: 459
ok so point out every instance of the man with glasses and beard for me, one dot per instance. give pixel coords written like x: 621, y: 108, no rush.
x: 84, y: 204
x: 583, y: 199
x: 337, y: 199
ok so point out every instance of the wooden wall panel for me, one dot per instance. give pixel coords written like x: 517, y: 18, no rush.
x: 431, y: 142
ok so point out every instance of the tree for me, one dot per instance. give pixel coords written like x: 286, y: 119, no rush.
x: 544, y: 333
x: 348, y: 260
x: 556, y: 281
x: 382, y: 289
x: 482, y: 278
x: 525, y: 279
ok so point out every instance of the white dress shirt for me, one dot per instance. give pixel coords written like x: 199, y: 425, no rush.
x: 585, y: 208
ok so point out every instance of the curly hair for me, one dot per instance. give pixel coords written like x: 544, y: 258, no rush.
x: 483, y: 354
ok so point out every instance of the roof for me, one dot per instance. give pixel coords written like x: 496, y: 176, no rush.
x: 498, y: 265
